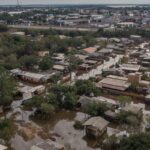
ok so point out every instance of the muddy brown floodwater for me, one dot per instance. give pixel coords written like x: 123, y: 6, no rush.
x: 60, y: 128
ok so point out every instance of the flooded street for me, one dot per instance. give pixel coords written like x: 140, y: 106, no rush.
x: 100, y: 68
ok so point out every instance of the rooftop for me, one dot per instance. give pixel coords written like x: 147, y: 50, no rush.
x: 28, y: 74
x: 97, y: 122
x: 114, y: 82
x: 130, y: 67
x: 90, y: 49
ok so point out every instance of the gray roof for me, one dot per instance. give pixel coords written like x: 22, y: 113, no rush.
x: 97, y: 122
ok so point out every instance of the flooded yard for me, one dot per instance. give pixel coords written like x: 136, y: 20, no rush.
x: 59, y: 128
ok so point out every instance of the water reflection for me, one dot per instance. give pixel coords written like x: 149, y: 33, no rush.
x: 59, y: 128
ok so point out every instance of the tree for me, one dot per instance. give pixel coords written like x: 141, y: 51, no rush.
x: 46, y: 63
x: 133, y: 121
x: 47, y: 110
x: 135, y: 142
x: 6, y: 129
x: 51, y: 98
x: 123, y: 100
x: 86, y: 87
x: 59, y: 91
x: 3, y: 28
x: 28, y: 61
x: 110, y: 143
x: 7, y: 88
x: 96, y: 109
x: 11, y: 61
x: 70, y: 100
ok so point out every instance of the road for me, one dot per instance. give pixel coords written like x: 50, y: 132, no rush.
x: 53, y: 27
x: 98, y: 70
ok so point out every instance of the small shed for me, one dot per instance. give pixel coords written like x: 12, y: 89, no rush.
x: 95, y: 126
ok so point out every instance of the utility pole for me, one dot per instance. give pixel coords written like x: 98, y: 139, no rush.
x: 18, y: 4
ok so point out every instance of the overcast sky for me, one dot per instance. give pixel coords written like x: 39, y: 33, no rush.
x: 5, y: 2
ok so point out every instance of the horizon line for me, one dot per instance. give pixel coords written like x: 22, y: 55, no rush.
x: 79, y: 4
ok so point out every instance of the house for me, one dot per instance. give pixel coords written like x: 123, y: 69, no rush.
x: 130, y: 67
x: 94, y: 56
x: 42, y: 53
x: 114, y: 82
x: 95, y: 126
x: 105, y: 51
x: 2, y: 147
x: 113, y: 71
x: 59, y: 67
x: 90, y: 49
x: 90, y: 62
x: 18, y: 33
x: 136, y: 109
x: 135, y: 37
x: 85, y: 67
x: 136, y: 78
x: 84, y: 101
x: 58, y: 57
x: 80, y: 119
x: 30, y: 76
x: 126, y: 24
x: 81, y: 57
x: 28, y: 92
x: 47, y: 145
x: 117, y: 40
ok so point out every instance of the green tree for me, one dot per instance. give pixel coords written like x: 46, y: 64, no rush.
x: 51, y: 98
x: 70, y: 100
x: 6, y: 129
x: 96, y: 109
x: 3, y: 28
x: 11, y: 61
x: 47, y: 110
x: 7, y: 88
x: 28, y: 61
x: 110, y: 143
x: 123, y: 100
x: 46, y: 63
x: 135, y: 142
x: 86, y: 87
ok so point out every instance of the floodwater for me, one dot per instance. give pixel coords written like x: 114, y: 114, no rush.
x: 98, y: 70
x: 59, y: 128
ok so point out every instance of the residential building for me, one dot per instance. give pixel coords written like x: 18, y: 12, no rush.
x: 95, y: 126
x: 115, y: 83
